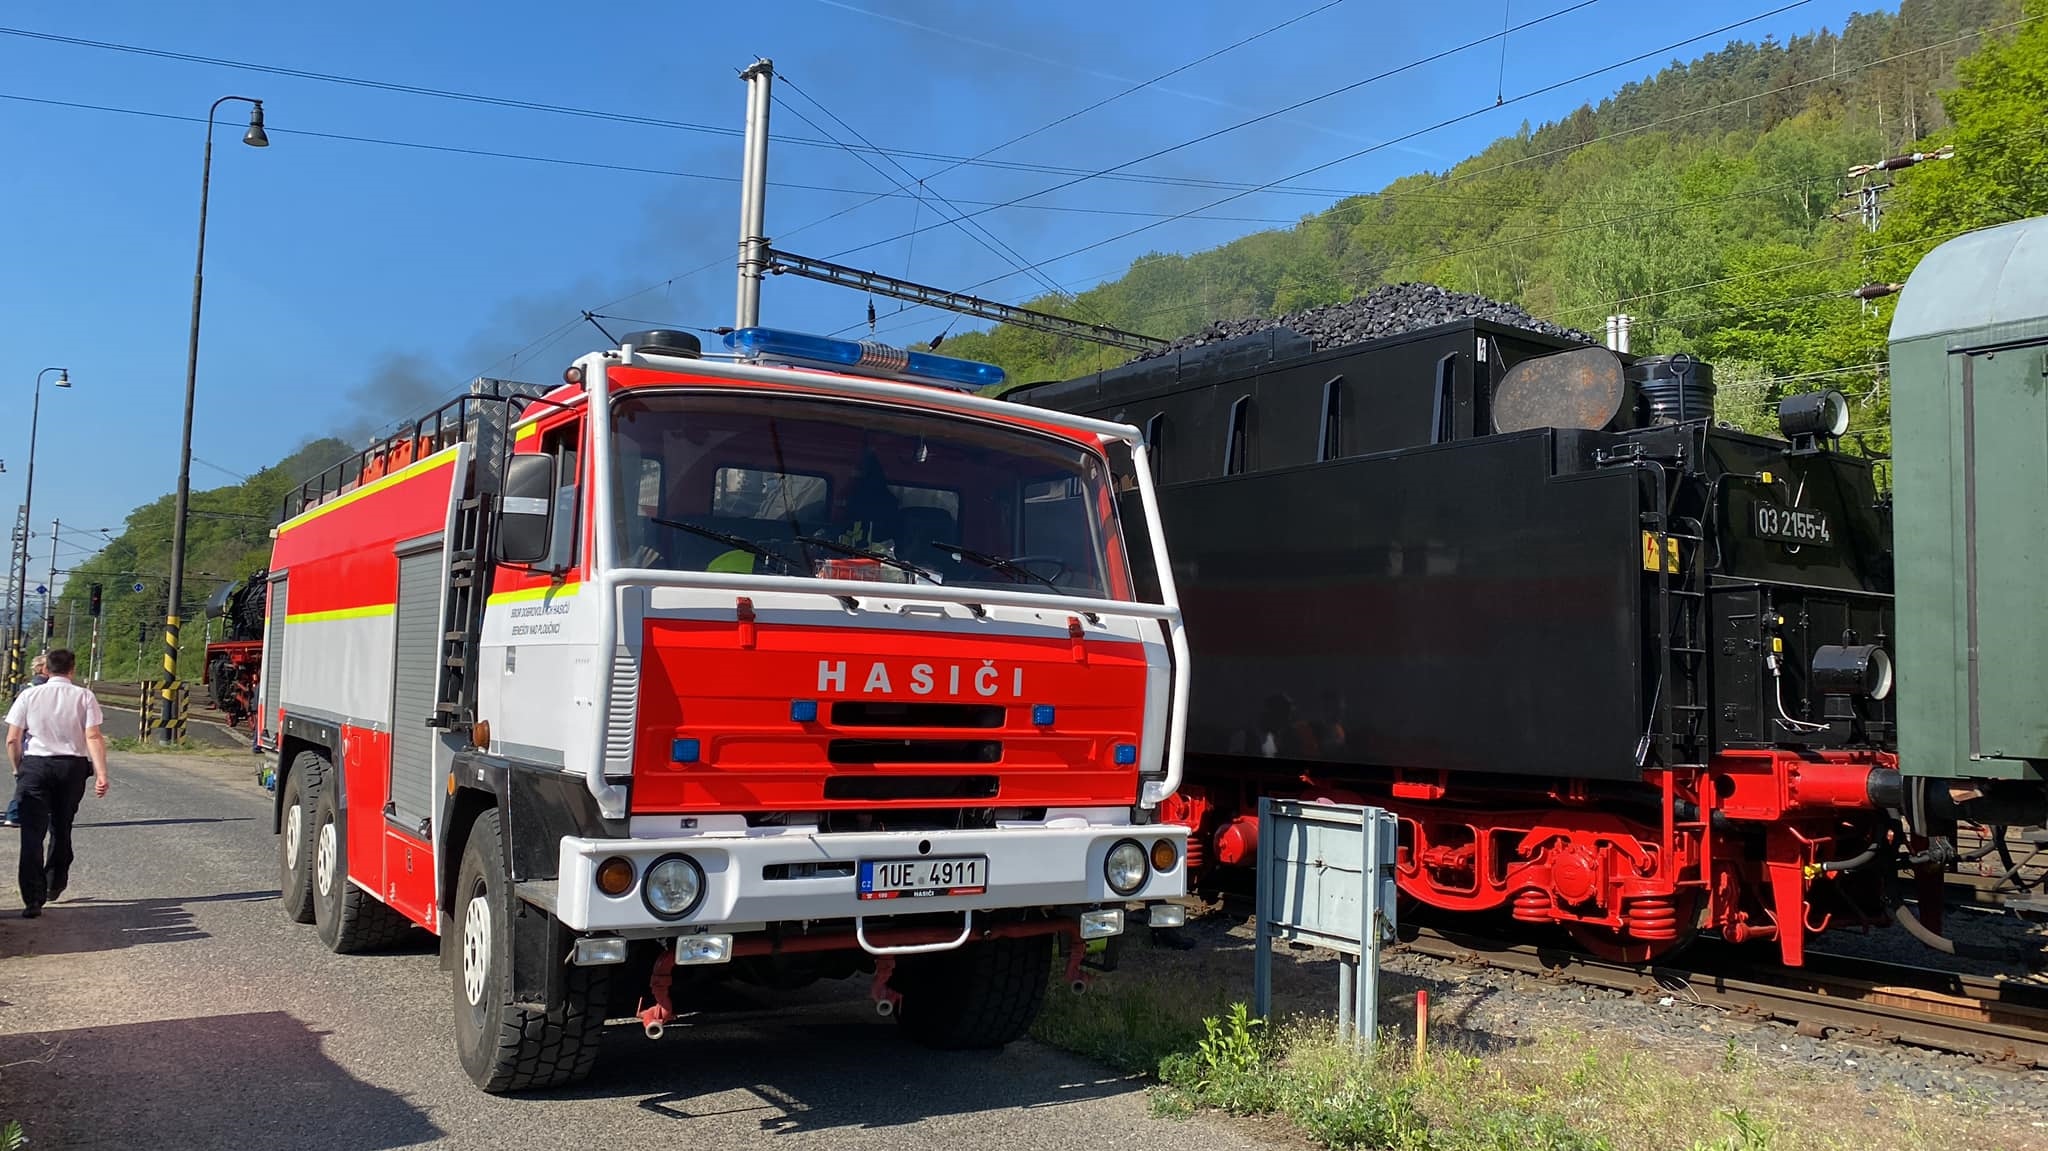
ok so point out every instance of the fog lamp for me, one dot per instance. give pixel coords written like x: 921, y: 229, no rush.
x: 599, y: 951
x: 703, y: 949
x: 1102, y: 924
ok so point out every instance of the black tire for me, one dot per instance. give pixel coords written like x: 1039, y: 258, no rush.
x: 350, y: 920
x: 295, y: 835
x: 505, y: 1047
x: 984, y: 995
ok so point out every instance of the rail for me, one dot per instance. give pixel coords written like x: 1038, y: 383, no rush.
x: 1998, y: 1021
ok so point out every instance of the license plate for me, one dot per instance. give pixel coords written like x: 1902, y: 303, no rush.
x: 923, y: 878
x: 1793, y: 525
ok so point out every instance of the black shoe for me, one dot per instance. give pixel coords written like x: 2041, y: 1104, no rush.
x: 31, y: 912
x: 55, y: 886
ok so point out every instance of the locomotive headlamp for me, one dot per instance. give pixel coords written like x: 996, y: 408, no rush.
x: 673, y: 887
x: 1853, y: 669
x: 1813, y: 414
x: 1124, y: 867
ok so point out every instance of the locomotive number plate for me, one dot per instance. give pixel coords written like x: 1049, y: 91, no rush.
x: 1793, y: 525
x: 923, y: 878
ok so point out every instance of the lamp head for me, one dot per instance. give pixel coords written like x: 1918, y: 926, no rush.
x: 254, y: 137
x: 64, y: 377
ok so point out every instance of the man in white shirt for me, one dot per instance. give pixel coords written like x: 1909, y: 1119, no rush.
x: 55, y: 743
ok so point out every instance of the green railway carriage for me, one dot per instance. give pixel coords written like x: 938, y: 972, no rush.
x: 1969, y: 360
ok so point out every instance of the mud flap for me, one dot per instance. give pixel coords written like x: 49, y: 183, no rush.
x: 540, y: 949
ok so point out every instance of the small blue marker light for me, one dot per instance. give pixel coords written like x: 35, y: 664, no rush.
x: 803, y: 711
x: 1126, y: 754
x: 685, y: 750
x: 1041, y: 714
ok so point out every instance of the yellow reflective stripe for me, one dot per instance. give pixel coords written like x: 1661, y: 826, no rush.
x: 523, y: 595
x: 342, y: 613
x: 440, y: 459
x: 525, y: 433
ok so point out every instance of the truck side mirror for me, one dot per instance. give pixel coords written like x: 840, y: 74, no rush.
x: 526, y: 509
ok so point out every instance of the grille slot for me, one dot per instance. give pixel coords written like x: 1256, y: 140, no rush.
x: 879, y: 787
x: 624, y: 710
x: 829, y: 869
x: 916, y: 715
x: 867, y: 751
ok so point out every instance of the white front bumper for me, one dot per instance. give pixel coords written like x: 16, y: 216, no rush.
x: 1028, y: 867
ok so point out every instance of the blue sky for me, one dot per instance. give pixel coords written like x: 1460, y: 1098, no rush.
x: 348, y: 281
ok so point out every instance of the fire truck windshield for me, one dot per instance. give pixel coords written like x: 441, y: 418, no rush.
x: 847, y: 490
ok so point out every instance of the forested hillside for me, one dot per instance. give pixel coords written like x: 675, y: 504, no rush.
x: 1702, y: 202
x: 227, y: 536
x: 1699, y: 202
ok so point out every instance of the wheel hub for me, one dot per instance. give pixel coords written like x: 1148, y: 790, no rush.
x: 323, y: 859
x: 476, y: 948
x: 294, y: 822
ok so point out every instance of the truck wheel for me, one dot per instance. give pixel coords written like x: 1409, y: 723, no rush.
x: 503, y: 1046
x: 983, y: 995
x: 349, y: 919
x: 295, y: 836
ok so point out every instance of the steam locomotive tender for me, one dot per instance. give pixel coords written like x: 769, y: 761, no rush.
x: 1616, y: 665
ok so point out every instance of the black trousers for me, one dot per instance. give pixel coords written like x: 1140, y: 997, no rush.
x: 49, y: 791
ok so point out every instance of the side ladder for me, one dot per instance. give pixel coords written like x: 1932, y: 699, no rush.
x: 462, y: 624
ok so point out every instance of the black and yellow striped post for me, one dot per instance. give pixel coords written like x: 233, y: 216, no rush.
x: 169, y: 724
x: 145, y: 712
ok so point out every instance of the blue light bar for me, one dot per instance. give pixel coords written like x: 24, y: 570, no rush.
x: 862, y: 356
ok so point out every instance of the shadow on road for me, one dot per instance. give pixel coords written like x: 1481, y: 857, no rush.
x: 789, y: 1073
x: 168, y: 822
x: 213, y: 1082
x: 81, y: 926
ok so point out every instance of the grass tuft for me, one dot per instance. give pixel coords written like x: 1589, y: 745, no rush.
x: 1561, y: 1091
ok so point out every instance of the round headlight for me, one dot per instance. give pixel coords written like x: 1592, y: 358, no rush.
x: 1124, y: 867
x: 673, y: 887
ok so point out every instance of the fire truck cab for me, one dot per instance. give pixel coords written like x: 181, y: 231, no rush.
x: 800, y: 661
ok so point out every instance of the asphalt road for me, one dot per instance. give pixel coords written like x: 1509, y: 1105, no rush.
x: 167, y: 1003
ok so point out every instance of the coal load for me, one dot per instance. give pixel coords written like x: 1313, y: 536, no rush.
x: 1385, y: 311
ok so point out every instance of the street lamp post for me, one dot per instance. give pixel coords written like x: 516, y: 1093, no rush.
x: 27, y: 503
x: 255, y: 138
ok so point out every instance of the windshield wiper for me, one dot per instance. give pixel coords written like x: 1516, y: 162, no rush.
x: 1007, y: 566
x: 873, y: 554
x: 759, y: 551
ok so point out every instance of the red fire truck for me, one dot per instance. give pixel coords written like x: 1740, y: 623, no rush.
x: 799, y: 662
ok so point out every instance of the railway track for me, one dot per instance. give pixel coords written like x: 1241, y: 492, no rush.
x: 1993, y: 1020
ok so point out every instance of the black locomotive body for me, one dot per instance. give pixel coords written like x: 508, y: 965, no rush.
x: 235, y: 656
x: 1614, y: 664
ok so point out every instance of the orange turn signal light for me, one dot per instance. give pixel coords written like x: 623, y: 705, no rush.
x: 615, y: 876
x: 1164, y: 855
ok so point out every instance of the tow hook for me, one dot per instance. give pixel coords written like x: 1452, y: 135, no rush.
x: 887, y: 999
x: 653, y: 1018
x: 1077, y: 951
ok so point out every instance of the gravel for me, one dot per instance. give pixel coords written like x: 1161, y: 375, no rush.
x: 1495, y: 1009
x: 1385, y: 311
